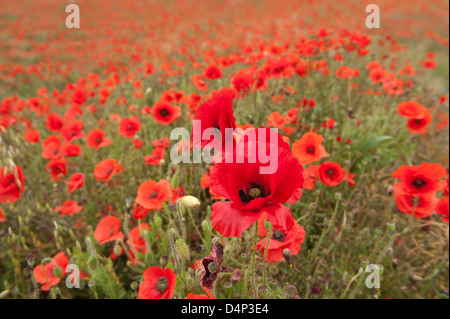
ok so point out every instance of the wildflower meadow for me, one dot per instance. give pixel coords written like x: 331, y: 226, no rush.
x: 252, y: 150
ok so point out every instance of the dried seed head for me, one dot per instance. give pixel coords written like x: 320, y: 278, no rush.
x: 213, y: 267
x: 134, y: 285
x: 30, y: 260
x: 290, y: 291
x: 262, y: 289
x: 91, y: 284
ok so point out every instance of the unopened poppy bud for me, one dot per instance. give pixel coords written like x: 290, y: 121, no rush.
x: 30, y: 260
x: 57, y: 271
x: 134, y: 285
x: 157, y: 221
x: 287, y: 255
x: 162, y: 284
x: 213, y: 267
x: 190, y: 202
x: 267, y: 224
x: 175, y: 181
x: 163, y: 261
x: 182, y: 249
x: 117, y: 250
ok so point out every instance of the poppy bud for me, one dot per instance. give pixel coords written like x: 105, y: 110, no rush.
x: 364, y: 262
x: 157, y: 221
x: 206, y: 226
x: 163, y: 261
x: 267, y: 224
x: 117, y: 250
x: 338, y: 195
x: 190, y: 202
x: 57, y: 271
x: 182, y: 249
x: 287, y: 255
x: 162, y: 284
x: 175, y: 181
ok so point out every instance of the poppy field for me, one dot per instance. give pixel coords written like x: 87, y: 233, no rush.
x: 313, y: 164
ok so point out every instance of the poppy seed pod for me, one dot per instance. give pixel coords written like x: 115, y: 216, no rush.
x: 30, y: 260
x: 58, y: 272
x: 162, y: 284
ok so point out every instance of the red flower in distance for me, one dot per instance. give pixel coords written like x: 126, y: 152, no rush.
x: 12, y: 184
x: 75, y: 182
x: 151, y: 194
x: 423, y: 179
x: 96, y: 139
x: 331, y: 173
x: 59, y: 260
x: 128, y: 127
x: 106, y: 169
x: 108, y: 230
x: 69, y: 207
x: 166, y: 113
x: 309, y: 148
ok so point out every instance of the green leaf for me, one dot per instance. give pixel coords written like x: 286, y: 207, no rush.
x: 374, y: 142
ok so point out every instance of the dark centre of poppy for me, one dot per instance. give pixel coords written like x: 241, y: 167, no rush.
x: 108, y: 171
x: 164, y: 112
x: 253, y: 192
x: 419, y: 183
x: 162, y: 284
x: 310, y: 150
x: 111, y: 232
x: 278, y: 235
x: 130, y: 127
x: 418, y: 122
x: 99, y: 139
x: 11, y: 182
x: 330, y: 171
x: 153, y: 195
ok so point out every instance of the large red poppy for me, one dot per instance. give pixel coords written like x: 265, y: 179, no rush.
x: 252, y: 193
x: 59, y: 260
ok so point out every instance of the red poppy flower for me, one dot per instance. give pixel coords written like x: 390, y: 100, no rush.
x: 420, y: 205
x: 161, y: 143
x: 217, y: 112
x: 166, y: 113
x: 137, y: 237
x: 72, y: 131
x: 252, y: 193
x: 442, y: 208
x: 151, y: 194
x: 331, y: 173
x: 137, y: 143
x: 139, y: 212
x: 291, y: 239
x: 212, y: 72
x: 309, y: 149
x: 423, y: 179
x: 106, y: 169
x: 54, y: 122
x: 51, y: 147
x: 419, y: 117
x: 57, y: 168
x: 108, y: 230
x: 69, y: 207
x: 75, y: 182
x: 96, y: 139
x: 61, y: 261
x: 12, y: 184
x: 71, y: 150
x: 158, y: 283
x: 311, y: 174
x: 79, y: 96
x: 32, y: 136
x: 128, y: 127
x: 377, y: 75
x: 156, y: 157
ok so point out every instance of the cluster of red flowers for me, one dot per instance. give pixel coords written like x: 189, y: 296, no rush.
x: 415, y: 194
